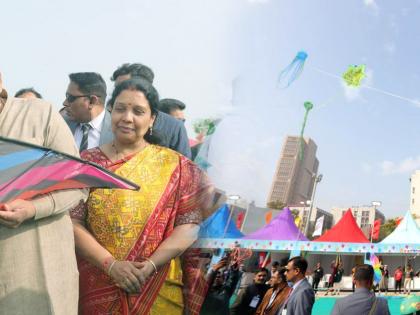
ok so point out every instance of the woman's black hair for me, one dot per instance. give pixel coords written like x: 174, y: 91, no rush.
x: 152, y: 96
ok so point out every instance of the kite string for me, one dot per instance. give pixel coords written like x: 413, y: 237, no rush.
x: 329, y: 100
x: 302, y: 147
x: 413, y: 101
x: 326, y: 73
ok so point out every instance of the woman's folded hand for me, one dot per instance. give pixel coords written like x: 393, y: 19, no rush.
x: 145, y: 270
x: 126, y: 275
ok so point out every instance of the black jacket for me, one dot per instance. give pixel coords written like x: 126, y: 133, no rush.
x: 242, y: 304
x: 217, y: 299
x: 319, y: 273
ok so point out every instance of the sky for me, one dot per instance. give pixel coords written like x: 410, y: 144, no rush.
x: 368, y: 142
x: 222, y: 58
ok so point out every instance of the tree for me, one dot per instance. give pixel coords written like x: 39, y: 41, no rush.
x: 387, y: 228
x: 277, y: 204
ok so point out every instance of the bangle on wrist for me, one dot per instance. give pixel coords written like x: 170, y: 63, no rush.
x: 108, y: 264
x: 153, y: 264
x: 110, y: 267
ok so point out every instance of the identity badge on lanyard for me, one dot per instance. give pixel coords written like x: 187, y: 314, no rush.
x: 254, y: 301
x: 284, y: 312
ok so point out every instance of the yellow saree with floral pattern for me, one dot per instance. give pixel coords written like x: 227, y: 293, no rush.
x: 132, y: 224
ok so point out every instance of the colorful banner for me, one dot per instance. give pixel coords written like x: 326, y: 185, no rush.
x: 313, y: 247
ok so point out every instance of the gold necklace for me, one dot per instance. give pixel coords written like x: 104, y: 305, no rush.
x: 123, y: 158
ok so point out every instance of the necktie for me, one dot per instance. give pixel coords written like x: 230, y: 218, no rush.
x: 85, y: 137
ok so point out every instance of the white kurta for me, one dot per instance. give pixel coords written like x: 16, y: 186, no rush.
x: 38, y: 271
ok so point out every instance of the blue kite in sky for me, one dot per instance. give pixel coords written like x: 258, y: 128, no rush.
x: 293, y: 70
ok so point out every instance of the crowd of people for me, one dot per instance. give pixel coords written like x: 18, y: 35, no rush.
x: 106, y: 251
x: 285, y: 289
x: 335, y: 283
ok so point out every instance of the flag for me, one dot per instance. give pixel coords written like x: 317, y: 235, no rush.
x: 398, y: 220
x: 318, y: 226
x: 263, y: 259
x: 28, y: 170
x: 376, y: 229
x: 240, y: 219
x: 268, y: 216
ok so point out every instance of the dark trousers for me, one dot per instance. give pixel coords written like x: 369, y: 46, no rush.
x: 316, y: 283
x: 398, y: 285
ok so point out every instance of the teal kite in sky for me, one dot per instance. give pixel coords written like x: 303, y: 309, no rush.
x: 293, y: 70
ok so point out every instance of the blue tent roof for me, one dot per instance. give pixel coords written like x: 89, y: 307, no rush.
x: 406, y: 232
x: 215, y: 225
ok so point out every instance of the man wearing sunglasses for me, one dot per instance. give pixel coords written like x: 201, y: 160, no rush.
x: 85, y: 110
x: 302, y: 297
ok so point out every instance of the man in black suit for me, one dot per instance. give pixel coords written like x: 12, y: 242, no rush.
x: 84, y: 110
x: 171, y: 131
x: 317, y: 276
x: 251, y: 297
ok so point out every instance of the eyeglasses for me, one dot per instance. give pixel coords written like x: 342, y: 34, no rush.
x: 72, y: 98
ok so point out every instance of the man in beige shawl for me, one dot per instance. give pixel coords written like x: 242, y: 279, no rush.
x: 38, y: 271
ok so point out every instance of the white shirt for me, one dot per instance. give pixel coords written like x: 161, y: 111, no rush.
x: 94, y: 132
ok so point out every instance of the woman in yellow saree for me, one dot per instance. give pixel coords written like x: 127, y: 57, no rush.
x: 132, y: 246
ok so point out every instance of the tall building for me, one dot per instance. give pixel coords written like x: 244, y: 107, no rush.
x: 415, y: 195
x: 294, y: 178
x: 365, y: 216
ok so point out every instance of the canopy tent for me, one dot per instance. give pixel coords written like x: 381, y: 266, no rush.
x: 346, y: 230
x: 219, y: 225
x: 282, y: 227
x: 346, y: 226
x: 405, y: 233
